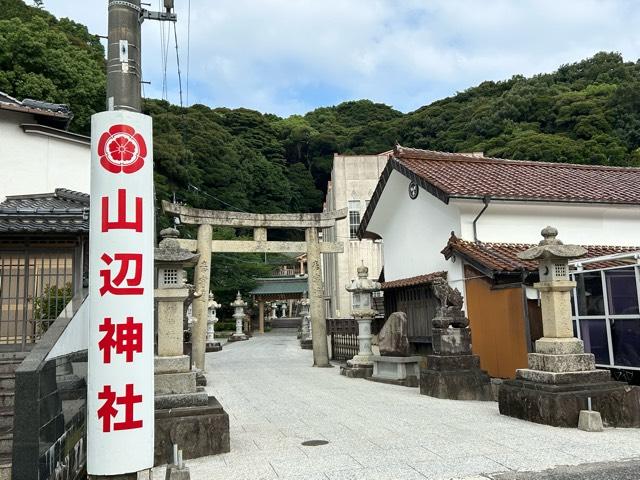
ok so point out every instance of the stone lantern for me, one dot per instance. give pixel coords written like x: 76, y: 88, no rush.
x: 306, y: 335
x: 184, y: 413
x: 362, y: 289
x: 239, y: 305
x: 561, y: 384
x: 171, y: 292
x: 212, y: 319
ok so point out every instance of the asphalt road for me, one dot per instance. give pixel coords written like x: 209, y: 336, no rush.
x: 628, y: 470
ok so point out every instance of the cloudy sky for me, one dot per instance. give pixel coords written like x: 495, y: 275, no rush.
x: 290, y: 56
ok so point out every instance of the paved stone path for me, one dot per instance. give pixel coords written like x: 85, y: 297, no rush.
x: 276, y: 400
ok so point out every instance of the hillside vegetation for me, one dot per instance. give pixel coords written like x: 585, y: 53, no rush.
x: 240, y: 159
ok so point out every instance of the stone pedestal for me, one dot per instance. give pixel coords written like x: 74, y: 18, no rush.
x: 455, y: 377
x: 454, y: 372
x: 403, y: 371
x: 198, y: 430
x: 356, y: 370
x: 214, y: 347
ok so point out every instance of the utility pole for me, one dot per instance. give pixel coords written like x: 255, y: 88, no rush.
x: 124, y: 72
x: 120, y: 443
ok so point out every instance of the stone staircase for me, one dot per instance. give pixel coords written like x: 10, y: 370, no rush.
x: 286, y: 322
x: 9, y: 362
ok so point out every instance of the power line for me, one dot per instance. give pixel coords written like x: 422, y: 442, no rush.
x: 192, y: 186
x: 188, y: 46
x: 175, y: 39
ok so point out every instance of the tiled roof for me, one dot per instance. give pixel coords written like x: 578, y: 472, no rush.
x: 413, y: 281
x: 502, y: 257
x: 36, y: 107
x: 63, y: 211
x: 459, y: 175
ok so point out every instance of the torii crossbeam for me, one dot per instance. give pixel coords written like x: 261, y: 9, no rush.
x: 260, y: 222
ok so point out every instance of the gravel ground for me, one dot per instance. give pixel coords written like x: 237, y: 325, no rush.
x: 276, y: 400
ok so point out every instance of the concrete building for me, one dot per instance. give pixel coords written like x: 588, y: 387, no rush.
x: 37, y: 153
x: 353, y: 181
x: 464, y: 216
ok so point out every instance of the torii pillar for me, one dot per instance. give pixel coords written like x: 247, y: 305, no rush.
x: 316, y: 295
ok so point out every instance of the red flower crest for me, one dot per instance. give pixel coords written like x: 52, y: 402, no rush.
x: 121, y: 149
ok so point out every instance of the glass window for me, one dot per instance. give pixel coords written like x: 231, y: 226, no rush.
x: 589, y: 291
x: 354, y: 218
x: 594, y: 336
x: 622, y: 291
x: 625, y: 340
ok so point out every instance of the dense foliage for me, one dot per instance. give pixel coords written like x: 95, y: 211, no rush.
x: 240, y: 159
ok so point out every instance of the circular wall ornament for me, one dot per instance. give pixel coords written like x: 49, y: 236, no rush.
x: 413, y: 190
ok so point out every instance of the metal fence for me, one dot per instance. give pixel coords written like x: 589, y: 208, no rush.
x: 35, y: 286
x: 343, y: 333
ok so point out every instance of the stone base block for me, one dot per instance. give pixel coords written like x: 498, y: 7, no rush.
x: 306, y: 344
x: 177, y: 364
x: 590, y: 421
x: 237, y: 337
x: 175, y: 473
x: 169, y: 383
x: 559, y: 346
x: 571, y: 362
x: 357, y: 371
x: 396, y: 370
x: 181, y: 400
x: 201, y: 379
x: 455, y: 378
x: 559, y: 405
x: 563, y: 378
x: 198, y: 431
x: 213, y: 347
x: 451, y: 341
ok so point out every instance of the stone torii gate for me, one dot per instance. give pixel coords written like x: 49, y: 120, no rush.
x: 205, y: 246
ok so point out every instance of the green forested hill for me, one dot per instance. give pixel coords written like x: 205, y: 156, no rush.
x: 214, y: 157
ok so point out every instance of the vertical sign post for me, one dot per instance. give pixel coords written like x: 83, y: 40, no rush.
x: 120, y: 403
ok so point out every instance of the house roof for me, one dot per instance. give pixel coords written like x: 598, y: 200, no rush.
x: 501, y: 258
x: 280, y: 285
x: 413, y: 281
x: 59, y: 113
x: 63, y: 211
x: 473, y: 176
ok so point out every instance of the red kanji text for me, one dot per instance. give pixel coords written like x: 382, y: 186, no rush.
x: 133, y: 279
x: 121, y: 223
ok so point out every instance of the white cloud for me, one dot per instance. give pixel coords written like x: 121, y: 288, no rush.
x: 289, y: 56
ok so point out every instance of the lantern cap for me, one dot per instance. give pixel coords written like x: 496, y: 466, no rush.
x: 170, y: 254
x: 363, y: 284
x: 551, y: 247
x: 238, y: 302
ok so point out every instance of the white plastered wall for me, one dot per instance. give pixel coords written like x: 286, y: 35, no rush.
x: 34, y: 163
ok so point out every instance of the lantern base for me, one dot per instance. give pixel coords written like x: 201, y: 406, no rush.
x: 306, y: 344
x: 356, y: 370
x: 559, y: 405
x: 213, y: 347
x: 199, y: 431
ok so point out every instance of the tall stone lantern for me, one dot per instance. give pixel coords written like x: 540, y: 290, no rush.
x: 212, y: 319
x: 362, y: 288
x: 239, y: 305
x: 306, y: 340
x: 561, y: 379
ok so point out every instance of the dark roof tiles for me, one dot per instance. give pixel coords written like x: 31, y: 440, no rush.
x: 413, y: 281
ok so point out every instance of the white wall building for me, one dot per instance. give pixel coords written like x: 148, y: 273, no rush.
x: 510, y: 202
x: 353, y: 181
x: 37, y: 154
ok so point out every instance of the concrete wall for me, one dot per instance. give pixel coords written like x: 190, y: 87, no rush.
x: 36, y: 163
x: 353, y: 177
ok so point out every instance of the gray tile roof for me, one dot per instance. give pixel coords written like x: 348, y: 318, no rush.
x: 63, y: 211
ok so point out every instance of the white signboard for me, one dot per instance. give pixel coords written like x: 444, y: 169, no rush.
x: 120, y: 398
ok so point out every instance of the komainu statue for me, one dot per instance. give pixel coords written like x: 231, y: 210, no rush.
x: 449, y: 312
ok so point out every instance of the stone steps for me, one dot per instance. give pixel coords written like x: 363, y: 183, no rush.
x: 5, y: 466
x: 6, y: 441
x: 9, y: 362
x: 7, y: 381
